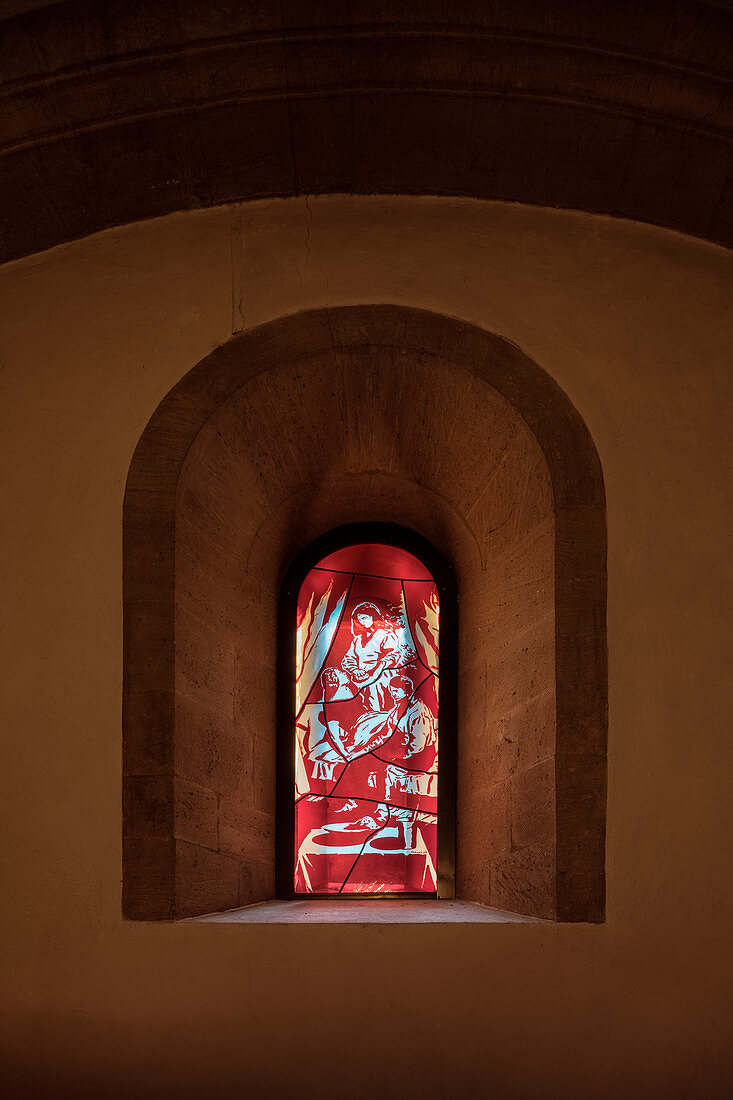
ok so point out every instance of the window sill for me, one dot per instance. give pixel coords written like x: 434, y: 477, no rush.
x: 366, y: 912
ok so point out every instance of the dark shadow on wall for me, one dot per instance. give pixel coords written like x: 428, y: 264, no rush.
x: 372, y: 413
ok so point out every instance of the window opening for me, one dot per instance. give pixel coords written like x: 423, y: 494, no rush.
x: 366, y: 725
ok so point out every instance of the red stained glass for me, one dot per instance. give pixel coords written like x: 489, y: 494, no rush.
x: 366, y: 746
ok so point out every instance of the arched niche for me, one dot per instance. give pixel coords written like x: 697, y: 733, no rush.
x: 351, y: 415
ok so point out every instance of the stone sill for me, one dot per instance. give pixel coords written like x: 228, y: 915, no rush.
x: 366, y: 912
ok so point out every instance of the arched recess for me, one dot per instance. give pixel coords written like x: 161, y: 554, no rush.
x: 330, y: 417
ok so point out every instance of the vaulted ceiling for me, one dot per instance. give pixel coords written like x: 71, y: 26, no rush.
x: 114, y: 112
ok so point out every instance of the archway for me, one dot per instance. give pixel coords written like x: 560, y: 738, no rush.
x: 615, y: 114
x: 374, y: 413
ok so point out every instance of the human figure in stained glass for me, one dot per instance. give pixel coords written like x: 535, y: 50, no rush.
x: 378, y: 644
x: 367, y: 726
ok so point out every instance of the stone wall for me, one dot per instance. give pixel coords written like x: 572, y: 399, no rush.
x: 351, y: 416
x: 633, y: 325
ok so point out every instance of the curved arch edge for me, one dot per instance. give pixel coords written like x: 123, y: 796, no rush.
x: 151, y: 856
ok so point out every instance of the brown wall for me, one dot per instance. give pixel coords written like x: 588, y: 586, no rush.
x: 616, y: 107
x: 632, y: 324
x: 378, y: 431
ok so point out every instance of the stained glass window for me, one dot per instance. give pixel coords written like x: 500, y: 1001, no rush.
x: 366, y: 724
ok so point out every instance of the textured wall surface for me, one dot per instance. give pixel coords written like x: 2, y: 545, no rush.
x: 616, y: 107
x: 291, y: 429
x: 632, y: 323
x: 385, y: 434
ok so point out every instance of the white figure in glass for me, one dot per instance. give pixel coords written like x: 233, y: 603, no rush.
x: 379, y: 644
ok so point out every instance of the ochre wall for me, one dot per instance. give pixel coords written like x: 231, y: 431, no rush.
x: 310, y: 440
x: 631, y: 322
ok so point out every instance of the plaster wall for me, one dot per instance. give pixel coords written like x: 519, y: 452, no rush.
x: 632, y: 322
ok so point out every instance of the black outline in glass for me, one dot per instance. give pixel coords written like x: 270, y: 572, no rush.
x: 361, y: 852
x: 362, y: 798
x: 390, y: 535
x: 333, y: 642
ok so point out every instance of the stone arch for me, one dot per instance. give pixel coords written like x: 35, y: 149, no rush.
x: 329, y: 417
x: 614, y: 114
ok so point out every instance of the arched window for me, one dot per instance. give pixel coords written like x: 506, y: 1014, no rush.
x: 255, y: 454
x: 366, y: 739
